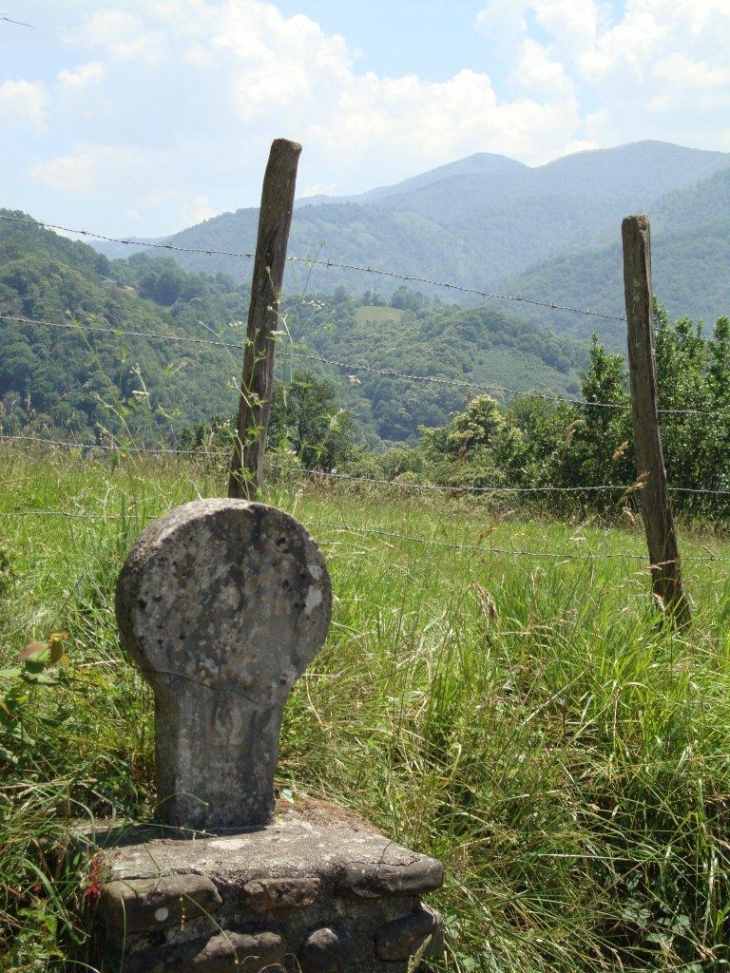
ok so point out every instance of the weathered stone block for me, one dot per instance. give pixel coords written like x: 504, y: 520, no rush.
x: 146, y: 905
x: 266, y: 894
x: 227, y: 952
x: 327, y: 950
x: 372, y: 879
x: 402, y: 938
x: 296, y: 875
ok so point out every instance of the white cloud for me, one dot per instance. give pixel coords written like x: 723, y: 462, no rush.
x: 198, y: 209
x: 502, y: 21
x: 572, y: 23
x: 87, y: 74
x: 24, y: 104
x: 702, y: 17
x: 119, y: 34
x: 75, y: 173
x: 429, y: 122
x: 537, y: 71
x: 275, y: 61
x: 93, y: 169
x: 678, y: 70
x: 649, y: 69
x: 254, y: 65
x: 184, y: 95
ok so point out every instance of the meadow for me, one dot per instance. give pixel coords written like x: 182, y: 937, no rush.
x: 498, y: 690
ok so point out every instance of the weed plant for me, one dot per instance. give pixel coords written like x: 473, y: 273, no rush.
x: 497, y: 690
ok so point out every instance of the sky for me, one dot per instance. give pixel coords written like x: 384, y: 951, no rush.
x: 142, y: 117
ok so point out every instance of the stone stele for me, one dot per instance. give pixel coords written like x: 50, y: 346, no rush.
x: 223, y: 604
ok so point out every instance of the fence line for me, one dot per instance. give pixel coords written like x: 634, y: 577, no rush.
x: 506, y: 552
x: 20, y: 23
x: 435, y: 380
x: 107, y: 447
x: 459, y: 489
x: 348, y: 366
x: 118, y: 332
x: 127, y: 243
x: 445, y: 488
x: 390, y: 535
x: 330, y: 264
x: 450, y: 489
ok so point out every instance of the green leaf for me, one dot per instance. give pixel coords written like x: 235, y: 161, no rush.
x: 11, y: 674
x: 41, y: 678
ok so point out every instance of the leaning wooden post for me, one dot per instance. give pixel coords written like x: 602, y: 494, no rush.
x: 655, y: 504
x: 254, y: 408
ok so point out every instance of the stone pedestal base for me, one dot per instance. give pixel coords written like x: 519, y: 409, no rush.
x: 316, y: 891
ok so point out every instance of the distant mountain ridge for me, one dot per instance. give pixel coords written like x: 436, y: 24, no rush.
x: 648, y: 167
x: 488, y: 223
x: 480, y: 164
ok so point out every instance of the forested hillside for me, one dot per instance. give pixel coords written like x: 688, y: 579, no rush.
x: 134, y: 351
x: 468, y: 349
x: 79, y: 365
x: 689, y: 271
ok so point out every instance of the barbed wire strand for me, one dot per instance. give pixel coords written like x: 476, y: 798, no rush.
x: 329, y: 264
x: 390, y: 535
x: 125, y: 242
x: 451, y: 489
x: 20, y: 23
x: 435, y: 380
x: 119, y: 332
x: 490, y: 295
x: 458, y: 489
x: 106, y: 447
x: 506, y: 552
x: 347, y: 366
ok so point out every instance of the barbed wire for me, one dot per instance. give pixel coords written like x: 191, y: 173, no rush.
x: 465, y: 488
x: 461, y: 489
x: 506, y: 552
x: 119, y: 332
x: 20, y: 23
x: 489, y: 295
x: 389, y: 535
x: 65, y: 514
x: 346, y: 366
x: 329, y: 264
x: 435, y: 380
x: 475, y: 292
x: 106, y: 447
x: 397, y: 485
x: 502, y: 551
x: 125, y: 242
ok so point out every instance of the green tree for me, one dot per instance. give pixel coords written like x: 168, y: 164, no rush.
x: 305, y: 415
x: 600, y: 450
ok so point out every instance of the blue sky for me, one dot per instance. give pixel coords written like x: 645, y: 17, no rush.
x: 145, y: 116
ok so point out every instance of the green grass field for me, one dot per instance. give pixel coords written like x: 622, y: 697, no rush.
x: 497, y: 691
x: 378, y: 314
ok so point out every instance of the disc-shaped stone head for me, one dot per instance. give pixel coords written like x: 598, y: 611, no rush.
x: 226, y: 594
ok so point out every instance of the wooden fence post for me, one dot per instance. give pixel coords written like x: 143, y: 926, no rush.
x: 655, y: 504
x: 254, y: 409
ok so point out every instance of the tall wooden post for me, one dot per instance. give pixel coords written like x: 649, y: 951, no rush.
x: 655, y: 504
x: 277, y: 205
